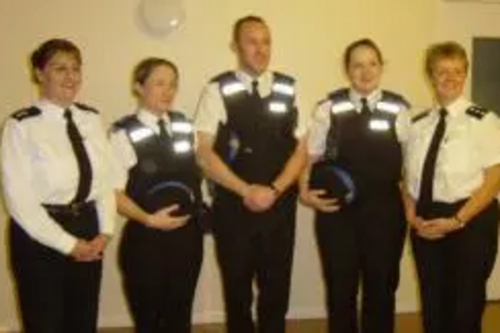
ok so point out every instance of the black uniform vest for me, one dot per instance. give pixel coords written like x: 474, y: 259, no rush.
x: 258, y: 137
x: 366, y: 146
x: 161, y: 162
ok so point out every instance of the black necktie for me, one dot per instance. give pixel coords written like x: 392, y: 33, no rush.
x: 365, y: 109
x: 429, y: 169
x: 84, y: 167
x: 255, y: 89
x: 163, y: 131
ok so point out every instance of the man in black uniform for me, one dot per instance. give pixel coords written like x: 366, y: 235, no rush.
x: 251, y: 146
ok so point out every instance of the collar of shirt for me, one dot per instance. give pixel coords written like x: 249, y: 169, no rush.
x: 456, y: 109
x: 265, y: 81
x: 150, y: 119
x: 50, y: 109
x: 372, y: 98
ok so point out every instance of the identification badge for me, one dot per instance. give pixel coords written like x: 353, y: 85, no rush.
x: 379, y: 125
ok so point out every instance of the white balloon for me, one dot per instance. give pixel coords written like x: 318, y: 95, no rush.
x: 161, y: 17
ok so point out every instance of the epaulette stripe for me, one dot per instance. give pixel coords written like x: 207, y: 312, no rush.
x: 26, y: 113
x: 420, y: 116
x: 85, y: 107
x: 477, y: 112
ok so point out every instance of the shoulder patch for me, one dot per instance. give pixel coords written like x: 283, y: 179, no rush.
x: 26, y: 113
x: 420, y: 116
x: 476, y: 111
x: 87, y: 108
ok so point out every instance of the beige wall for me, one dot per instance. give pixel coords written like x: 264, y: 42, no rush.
x: 309, y: 37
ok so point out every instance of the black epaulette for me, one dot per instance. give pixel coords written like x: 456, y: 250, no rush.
x: 87, y: 108
x: 224, y: 77
x: 420, y: 116
x: 177, y: 116
x: 391, y: 96
x: 123, y: 122
x: 339, y: 95
x: 26, y: 113
x: 278, y: 76
x: 476, y: 111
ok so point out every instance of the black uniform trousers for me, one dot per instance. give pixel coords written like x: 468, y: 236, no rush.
x: 56, y: 294
x: 453, y: 271
x: 160, y: 270
x: 362, y: 242
x: 255, y: 247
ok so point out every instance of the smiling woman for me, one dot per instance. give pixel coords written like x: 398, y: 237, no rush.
x: 452, y: 164
x: 57, y: 71
x: 55, y: 168
x: 159, y: 193
x: 351, y: 129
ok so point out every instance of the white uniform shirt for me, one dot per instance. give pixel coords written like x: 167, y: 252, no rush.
x: 211, y: 110
x: 470, y: 145
x: 125, y: 156
x: 320, y: 122
x: 40, y: 167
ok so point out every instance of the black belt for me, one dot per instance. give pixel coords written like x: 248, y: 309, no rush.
x: 75, y: 208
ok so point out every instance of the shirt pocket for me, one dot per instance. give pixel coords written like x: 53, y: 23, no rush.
x: 458, y: 155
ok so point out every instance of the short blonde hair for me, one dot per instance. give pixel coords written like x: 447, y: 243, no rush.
x: 444, y: 50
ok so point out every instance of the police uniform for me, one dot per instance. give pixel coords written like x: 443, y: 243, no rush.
x: 256, y: 132
x: 41, y: 176
x: 453, y: 271
x: 160, y: 268
x: 364, y: 239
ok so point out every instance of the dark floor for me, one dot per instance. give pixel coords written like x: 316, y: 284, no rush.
x: 406, y: 323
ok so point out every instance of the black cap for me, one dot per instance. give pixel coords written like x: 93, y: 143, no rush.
x: 337, y: 182
x: 172, y: 193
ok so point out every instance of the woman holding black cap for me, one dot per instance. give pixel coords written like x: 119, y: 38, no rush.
x: 55, y: 169
x: 352, y: 181
x: 159, y: 193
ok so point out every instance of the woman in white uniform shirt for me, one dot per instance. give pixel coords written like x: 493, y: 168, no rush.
x: 159, y: 193
x: 55, y: 159
x: 452, y: 165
